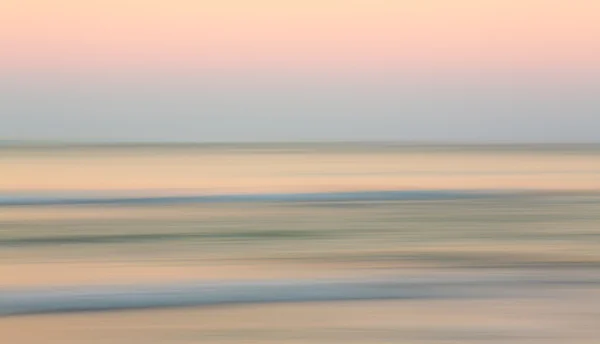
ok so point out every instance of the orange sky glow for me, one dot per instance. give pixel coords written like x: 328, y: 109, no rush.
x: 367, y: 35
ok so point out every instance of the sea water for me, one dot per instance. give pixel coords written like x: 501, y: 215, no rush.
x: 305, y: 243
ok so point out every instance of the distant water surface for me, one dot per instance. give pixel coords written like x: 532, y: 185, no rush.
x: 219, y: 169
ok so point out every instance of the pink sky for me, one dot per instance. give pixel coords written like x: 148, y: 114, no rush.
x: 235, y: 70
x: 368, y: 35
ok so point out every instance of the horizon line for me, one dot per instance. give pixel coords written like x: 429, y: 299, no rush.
x: 70, y: 142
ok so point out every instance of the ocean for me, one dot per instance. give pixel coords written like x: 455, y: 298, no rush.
x: 299, y: 243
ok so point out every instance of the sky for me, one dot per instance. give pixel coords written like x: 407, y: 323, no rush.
x: 295, y: 70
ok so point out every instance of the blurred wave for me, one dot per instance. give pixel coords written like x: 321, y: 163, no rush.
x: 142, y: 296
x: 391, y: 195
